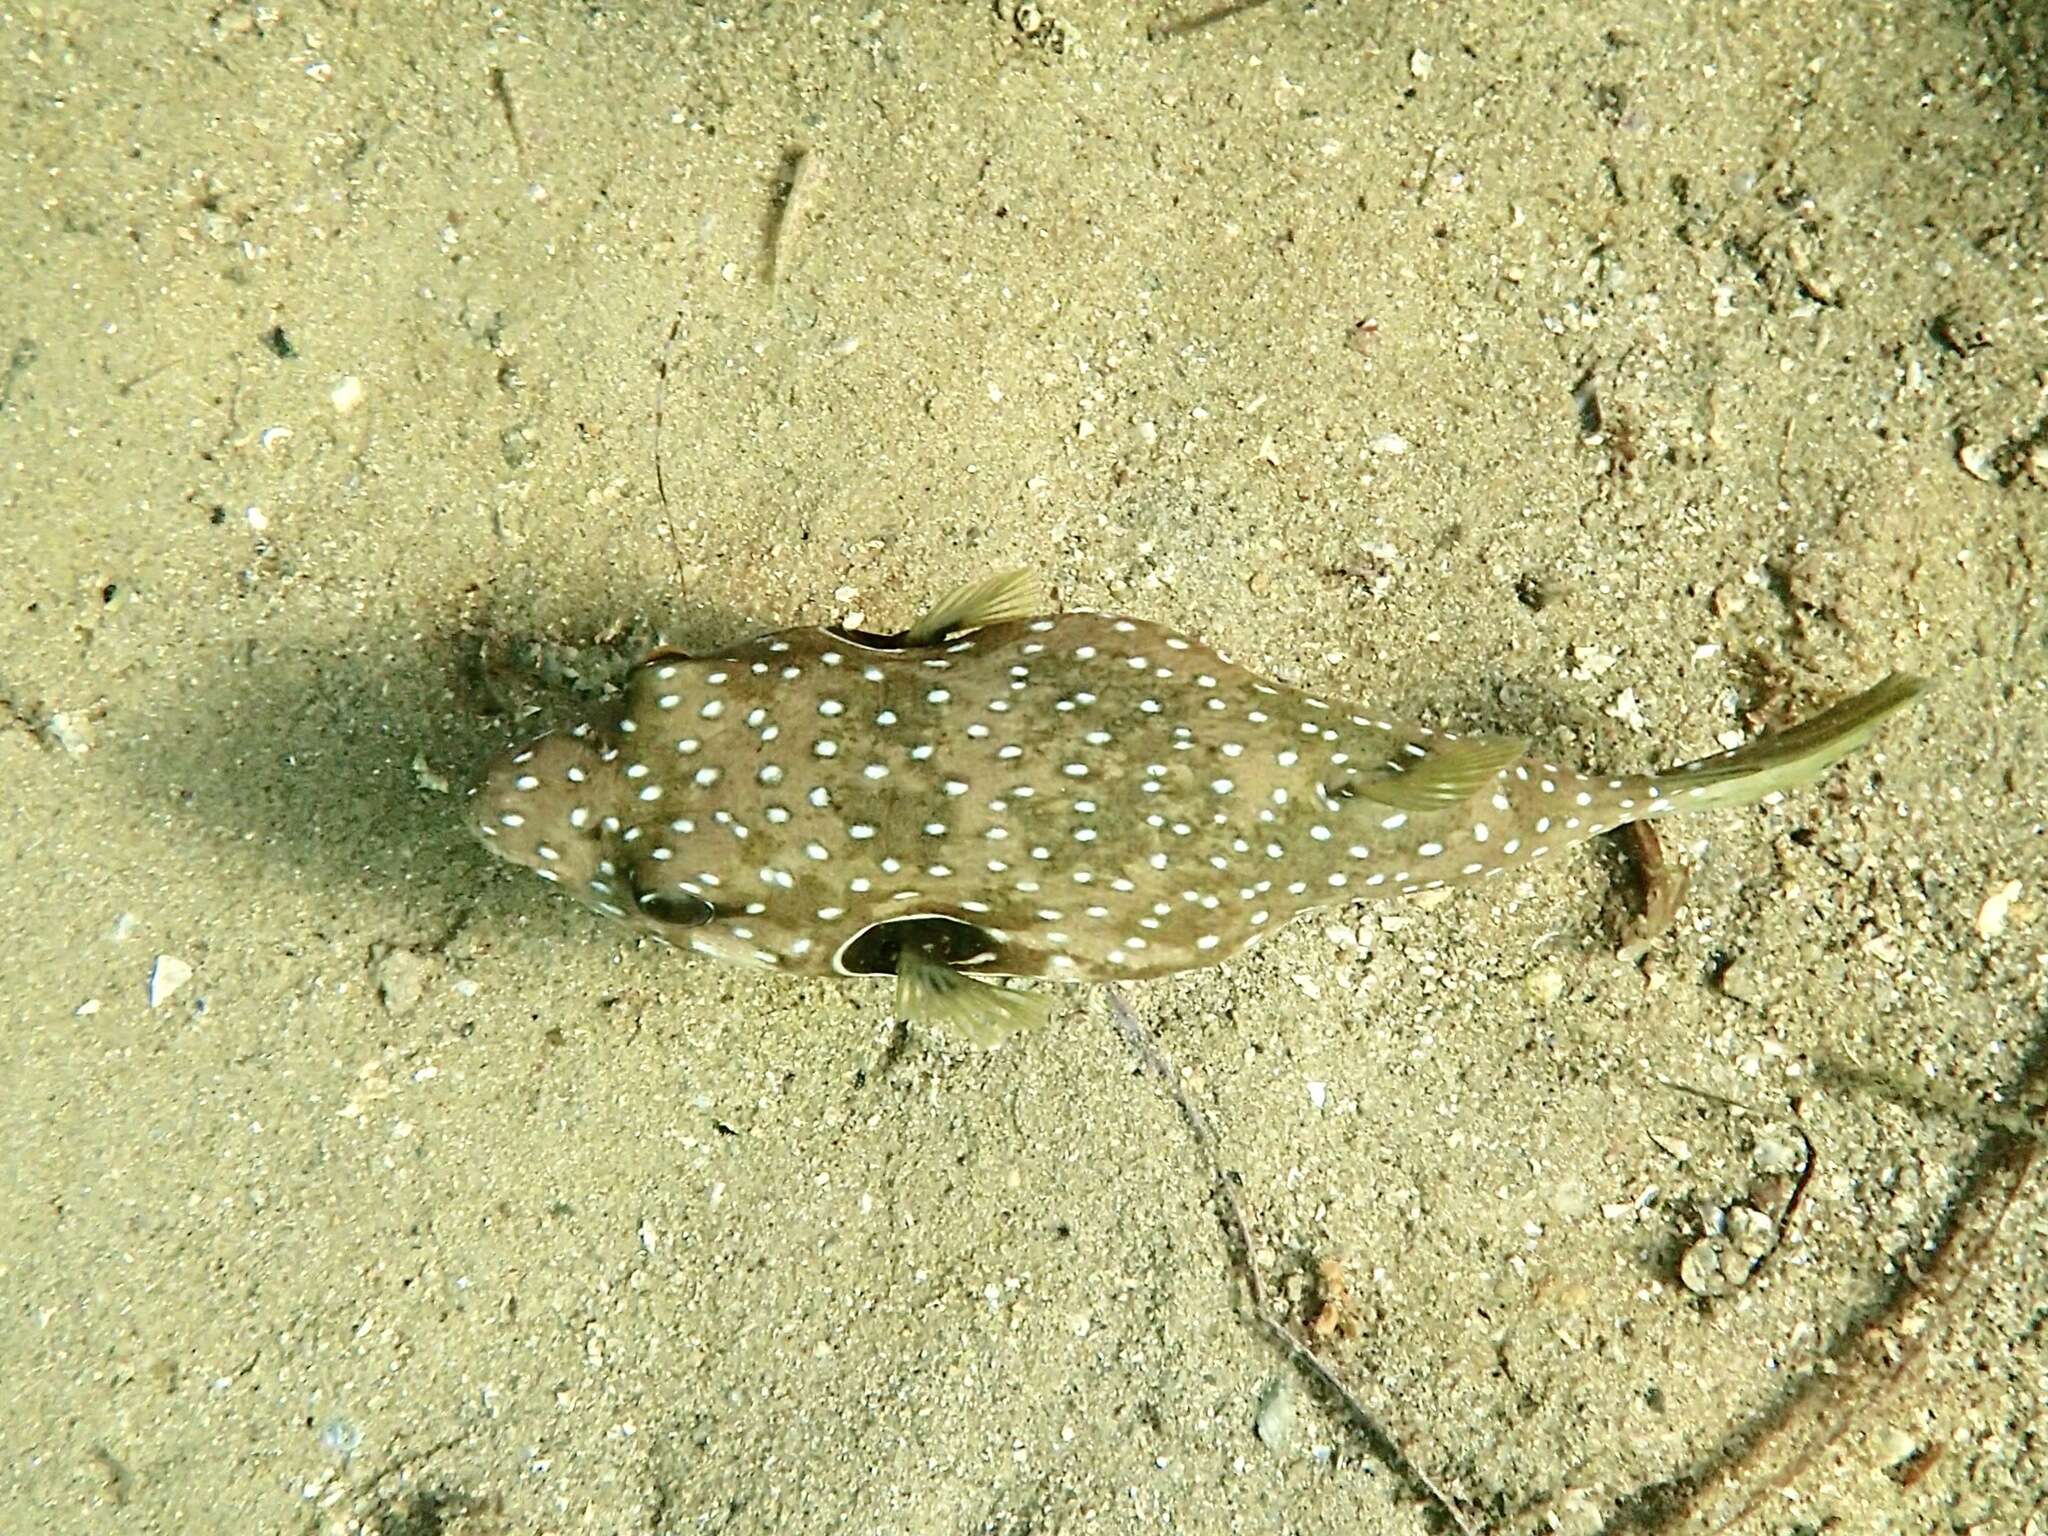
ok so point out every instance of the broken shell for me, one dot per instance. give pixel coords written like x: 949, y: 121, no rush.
x: 1751, y: 1231
x: 1700, y: 1270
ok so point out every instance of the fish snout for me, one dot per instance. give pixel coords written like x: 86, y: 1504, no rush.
x: 533, y: 807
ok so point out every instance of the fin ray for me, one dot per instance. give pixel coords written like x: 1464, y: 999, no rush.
x: 932, y: 994
x: 1451, y: 773
x: 996, y: 599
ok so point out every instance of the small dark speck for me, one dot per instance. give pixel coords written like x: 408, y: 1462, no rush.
x: 278, y: 342
x: 723, y: 1129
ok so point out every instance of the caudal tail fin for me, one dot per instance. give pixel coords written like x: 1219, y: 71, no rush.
x: 1786, y: 759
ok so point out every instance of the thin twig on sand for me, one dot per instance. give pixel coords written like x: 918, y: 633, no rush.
x: 668, y: 522
x: 1870, y: 1362
x: 1237, y: 1233
x: 1162, y: 31
x: 804, y: 171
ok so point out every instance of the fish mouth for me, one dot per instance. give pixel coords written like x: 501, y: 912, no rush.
x: 483, y: 819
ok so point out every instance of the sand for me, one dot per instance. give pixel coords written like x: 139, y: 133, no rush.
x: 1621, y: 376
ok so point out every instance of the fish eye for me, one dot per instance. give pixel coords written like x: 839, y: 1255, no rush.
x: 678, y: 909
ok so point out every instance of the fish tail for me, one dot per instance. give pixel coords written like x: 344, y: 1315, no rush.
x: 1784, y: 760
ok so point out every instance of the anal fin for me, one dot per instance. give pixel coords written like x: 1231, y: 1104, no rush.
x: 932, y: 994
x: 997, y: 599
x: 1449, y: 773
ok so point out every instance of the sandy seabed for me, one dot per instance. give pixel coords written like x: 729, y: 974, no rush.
x: 1621, y: 376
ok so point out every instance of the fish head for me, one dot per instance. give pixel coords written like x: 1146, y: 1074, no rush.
x: 576, y: 808
x: 546, y: 806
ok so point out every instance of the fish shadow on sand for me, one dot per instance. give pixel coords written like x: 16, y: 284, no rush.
x: 347, y: 771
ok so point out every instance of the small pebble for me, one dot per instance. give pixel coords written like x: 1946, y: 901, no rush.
x: 1353, y: 941
x: 1751, y: 1231
x: 1591, y: 661
x: 1736, y: 1265
x: 1392, y: 443
x: 74, y: 736
x: 165, y: 977
x: 425, y: 775
x: 1628, y: 710
x: 1700, y: 1270
x: 1274, y: 1422
x: 1997, y: 908
x: 1679, y: 1149
x: 347, y: 394
x: 1778, y: 1151
x: 400, y: 976
x: 1893, y: 1445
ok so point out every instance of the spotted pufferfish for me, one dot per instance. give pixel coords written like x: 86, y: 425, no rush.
x: 998, y: 792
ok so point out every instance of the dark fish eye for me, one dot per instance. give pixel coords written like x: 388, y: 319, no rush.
x: 677, y: 908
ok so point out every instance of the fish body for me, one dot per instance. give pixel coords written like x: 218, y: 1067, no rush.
x: 999, y: 792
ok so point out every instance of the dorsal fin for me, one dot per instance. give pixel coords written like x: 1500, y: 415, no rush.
x: 1448, y: 773
x: 997, y: 599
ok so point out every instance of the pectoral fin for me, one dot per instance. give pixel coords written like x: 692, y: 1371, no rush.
x: 996, y: 599
x: 932, y: 994
x: 1447, y: 774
